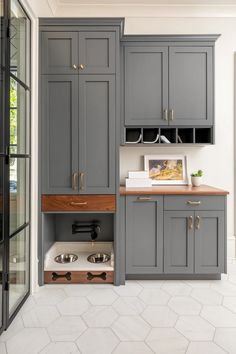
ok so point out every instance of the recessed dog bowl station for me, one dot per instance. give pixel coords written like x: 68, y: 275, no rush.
x: 79, y: 262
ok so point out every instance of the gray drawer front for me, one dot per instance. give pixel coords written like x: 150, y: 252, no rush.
x: 194, y: 202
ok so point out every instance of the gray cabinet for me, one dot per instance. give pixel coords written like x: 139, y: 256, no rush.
x: 209, y: 241
x: 190, y: 86
x: 178, y: 242
x: 59, y: 52
x: 78, y: 52
x: 144, y: 235
x: 97, y: 134
x: 78, y: 132
x: 59, y: 132
x: 146, y: 85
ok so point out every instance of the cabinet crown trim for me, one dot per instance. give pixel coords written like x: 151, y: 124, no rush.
x: 171, y: 38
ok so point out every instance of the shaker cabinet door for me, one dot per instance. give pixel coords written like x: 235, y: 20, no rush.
x: 144, y: 235
x: 178, y: 242
x: 191, y: 86
x: 97, y: 134
x: 209, y: 242
x: 59, y: 53
x: 146, y: 85
x: 59, y: 134
x: 97, y: 52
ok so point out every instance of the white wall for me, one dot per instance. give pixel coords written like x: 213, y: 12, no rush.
x: 217, y: 161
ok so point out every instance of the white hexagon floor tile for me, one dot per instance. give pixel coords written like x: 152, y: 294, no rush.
x: 28, y: 341
x: 40, y: 316
x: 195, y: 328
x: 204, y: 347
x: 78, y: 289
x: 198, y: 283
x: 131, y: 328
x: 167, y: 341
x: 151, y: 284
x: 66, y: 329
x: 177, y: 288
x: 61, y: 348
x: 129, y: 306
x: 230, y: 303
x: 219, y: 316
x: 100, y: 316
x: 97, y: 340
x: 225, y: 288
x: 15, y: 327
x: 154, y: 296
x: 3, y: 349
x: 184, y: 305
x: 73, y: 306
x: 48, y: 297
x: 102, y: 297
x: 226, y: 339
x: 207, y: 296
x: 160, y: 316
x: 129, y: 289
x: 132, y: 347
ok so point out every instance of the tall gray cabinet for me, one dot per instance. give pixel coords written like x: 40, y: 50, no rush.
x: 79, y: 68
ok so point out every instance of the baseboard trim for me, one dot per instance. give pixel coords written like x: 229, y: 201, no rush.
x: 173, y: 276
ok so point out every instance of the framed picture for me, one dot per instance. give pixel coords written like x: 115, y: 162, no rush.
x: 166, y: 169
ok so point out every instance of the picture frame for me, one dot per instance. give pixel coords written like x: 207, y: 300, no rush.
x: 167, y: 169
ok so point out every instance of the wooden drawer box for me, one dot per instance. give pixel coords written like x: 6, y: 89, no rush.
x: 194, y: 202
x: 77, y: 277
x: 99, y: 202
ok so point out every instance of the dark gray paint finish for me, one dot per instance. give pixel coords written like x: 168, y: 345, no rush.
x: 97, y: 133
x: 97, y: 52
x: 60, y: 133
x: 144, y: 235
x: 214, y: 202
x: 209, y: 242
x: 178, y: 242
x: 191, y: 85
x: 59, y: 52
x: 146, y: 89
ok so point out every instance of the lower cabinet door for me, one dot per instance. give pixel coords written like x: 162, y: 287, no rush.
x: 178, y: 242
x: 209, y: 241
x: 144, y: 234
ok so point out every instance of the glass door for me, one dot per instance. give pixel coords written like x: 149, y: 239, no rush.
x: 19, y: 162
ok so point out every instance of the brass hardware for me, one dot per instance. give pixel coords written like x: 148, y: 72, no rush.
x: 81, y: 66
x: 171, y: 114
x: 144, y: 199
x: 197, y: 222
x: 190, y: 222
x: 81, y: 179
x: 193, y: 202
x: 74, y: 181
x: 165, y: 114
x: 74, y: 66
x: 91, y: 276
x: 78, y: 203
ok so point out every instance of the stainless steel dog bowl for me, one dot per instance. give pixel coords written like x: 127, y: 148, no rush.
x: 66, y: 258
x: 99, y: 258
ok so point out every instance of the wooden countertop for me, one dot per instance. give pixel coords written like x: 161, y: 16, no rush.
x: 174, y: 190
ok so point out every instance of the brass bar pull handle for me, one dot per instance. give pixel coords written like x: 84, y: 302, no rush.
x: 81, y: 66
x: 190, y: 222
x: 144, y: 199
x: 197, y: 222
x: 74, y: 181
x: 78, y: 203
x: 193, y: 202
x: 165, y: 114
x: 74, y: 66
x: 81, y: 181
x: 171, y: 114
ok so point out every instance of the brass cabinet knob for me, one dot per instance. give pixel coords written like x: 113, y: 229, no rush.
x: 81, y: 66
x: 74, y: 66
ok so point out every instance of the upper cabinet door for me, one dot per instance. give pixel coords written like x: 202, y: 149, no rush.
x: 97, y: 53
x: 190, y: 86
x: 97, y: 139
x: 146, y: 85
x: 59, y: 134
x: 60, y: 53
x: 209, y: 242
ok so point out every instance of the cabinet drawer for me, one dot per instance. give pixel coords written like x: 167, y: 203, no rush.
x: 98, y: 202
x: 194, y: 202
